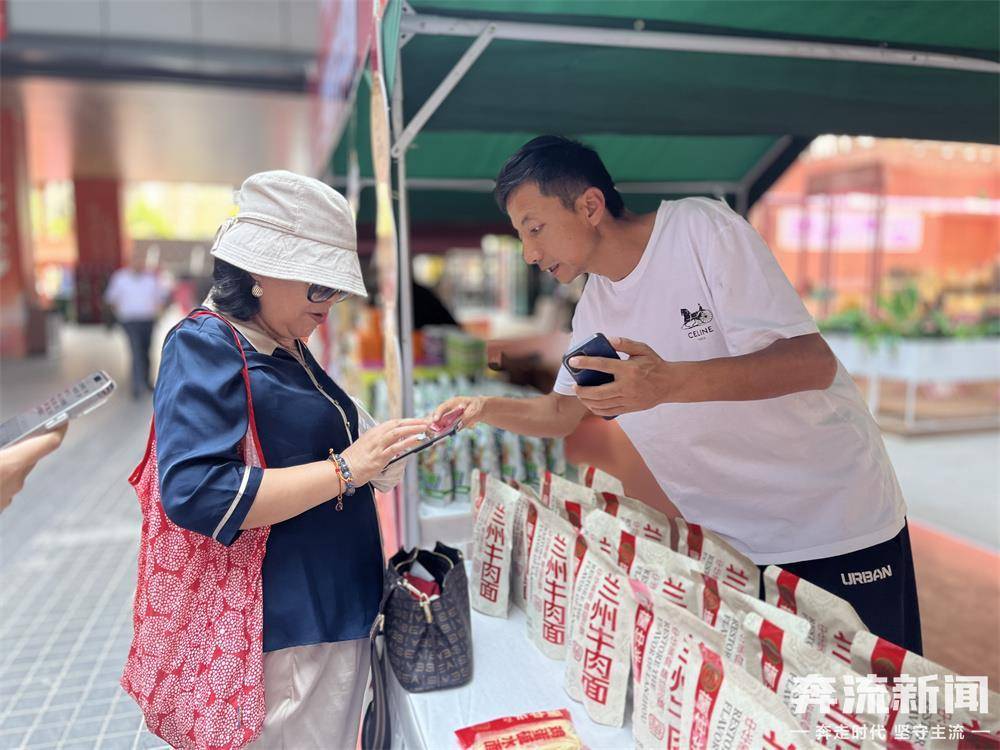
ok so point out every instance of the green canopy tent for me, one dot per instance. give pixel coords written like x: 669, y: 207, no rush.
x: 711, y: 97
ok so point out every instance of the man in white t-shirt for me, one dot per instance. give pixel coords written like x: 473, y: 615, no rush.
x: 745, y: 417
x: 137, y: 296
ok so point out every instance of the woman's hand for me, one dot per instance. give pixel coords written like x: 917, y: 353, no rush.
x: 472, y: 407
x: 370, y: 453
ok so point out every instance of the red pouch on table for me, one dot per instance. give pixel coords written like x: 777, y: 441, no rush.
x: 833, y: 621
x: 967, y: 719
x: 542, y: 730
x: 718, y: 558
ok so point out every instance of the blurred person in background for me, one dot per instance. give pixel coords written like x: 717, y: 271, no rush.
x: 137, y: 296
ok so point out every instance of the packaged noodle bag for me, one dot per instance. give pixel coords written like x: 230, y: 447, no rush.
x: 602, y: 481
x: 651, y: 563
x: 834, y: 621
x: 724, y: 707
x: 550, y: 582
x: 535, y: 462
x: 482, y: 481
x: 598, y: 656
x: 570, y: 500
x: 492, y: 547
x: 525, y: 521
x: 555, y: 455
x: 638, y: 517
x: 717, y: 557
x: 932, y: 707
x: 725, y: 610
x: 436, y: 479
x: 511, y: 457
x: 788, y: 667
x: 543, y: 730
x: 485, y: 453
x: 662, y: 638
x: 462, y: 466
x: 523, y: 488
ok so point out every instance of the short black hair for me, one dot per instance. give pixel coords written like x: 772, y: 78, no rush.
x: 231, y: 291
x: 560, y: 167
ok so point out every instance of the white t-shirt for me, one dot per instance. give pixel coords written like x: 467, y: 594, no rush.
x: 135, y: 296
x: 788, y: 479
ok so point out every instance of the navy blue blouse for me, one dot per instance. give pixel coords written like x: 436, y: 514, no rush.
x: 322, y: 573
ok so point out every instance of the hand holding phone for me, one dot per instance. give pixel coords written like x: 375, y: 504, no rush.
x: 79, y: 399
x: 596, y: 346
x: 443, y: 428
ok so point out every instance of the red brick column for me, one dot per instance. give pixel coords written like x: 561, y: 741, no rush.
x: 100, y: 249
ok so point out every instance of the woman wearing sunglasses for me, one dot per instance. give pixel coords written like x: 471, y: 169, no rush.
x: 280, y: 264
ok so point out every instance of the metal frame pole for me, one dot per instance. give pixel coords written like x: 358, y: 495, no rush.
x: 406, y: 135
x: 711, y: 43
x: 404, y: 291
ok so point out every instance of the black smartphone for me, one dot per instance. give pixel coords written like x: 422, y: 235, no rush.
x: 450, y: 424
x: 596, y: 346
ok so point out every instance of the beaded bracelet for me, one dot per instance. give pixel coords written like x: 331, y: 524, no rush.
x: 343, y: 482
x: 344, y: 472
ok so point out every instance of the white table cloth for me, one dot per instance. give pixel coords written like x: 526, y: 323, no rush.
x: 510, y: 676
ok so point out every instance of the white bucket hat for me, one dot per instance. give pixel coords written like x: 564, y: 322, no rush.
x: 292, y: 227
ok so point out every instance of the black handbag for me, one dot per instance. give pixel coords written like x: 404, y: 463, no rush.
x: 428, y: 642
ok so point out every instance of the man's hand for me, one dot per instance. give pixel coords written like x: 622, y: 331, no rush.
x: 471, y: 406
x: 640, y: 382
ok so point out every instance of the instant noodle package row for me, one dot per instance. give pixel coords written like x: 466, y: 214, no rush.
x: 664, y: 621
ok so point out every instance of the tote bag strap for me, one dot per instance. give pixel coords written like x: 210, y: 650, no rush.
x: 201, y: 313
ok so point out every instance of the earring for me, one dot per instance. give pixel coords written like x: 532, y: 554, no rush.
x: 256, y: 291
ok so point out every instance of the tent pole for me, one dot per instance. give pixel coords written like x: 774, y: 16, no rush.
x: 450, y: 81
x: 711, y: 43
x: 411, y: 511
x: 763, y: 164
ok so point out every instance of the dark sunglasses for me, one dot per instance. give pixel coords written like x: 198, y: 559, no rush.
x: 319, y: 293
